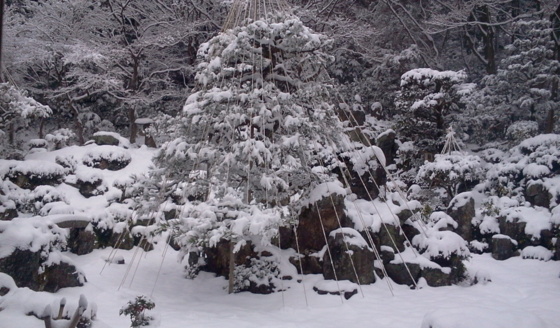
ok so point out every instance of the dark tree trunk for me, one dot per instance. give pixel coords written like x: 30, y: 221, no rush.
x: 1, y: 40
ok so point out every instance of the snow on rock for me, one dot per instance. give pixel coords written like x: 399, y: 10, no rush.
x: 536, y: 171
x: 107, y: 157
x: 536, y: 252
x: 34, y: 234
x: 120, y: 140
x: 333, y: 287
x: 441, y: 244
x: 324, y: 190
x: 351, y: 237
x: 31, y: 168
x: 537, y: 219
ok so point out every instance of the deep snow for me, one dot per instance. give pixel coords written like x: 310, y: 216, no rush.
x: 523, y: 293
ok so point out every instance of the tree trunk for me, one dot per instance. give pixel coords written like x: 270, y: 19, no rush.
x: 133, y: 127
x: 1, y: 40
x: 231, y: 267
x: 549, y: 124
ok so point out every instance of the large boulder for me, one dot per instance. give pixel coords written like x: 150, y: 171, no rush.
x: 461, y: 209
x: 61, y: 275
x: 316, y: 217
x: 81, y: 241
x: 537, y: 194
x: 386, y: 141
x: 503, y: 247
x: 310, y: 263
x: 436, y: 277
x: 23, y: 267
x: 352, y: 258
x: 515, y: 229
x: 400, y: 275
x: 26, y: 268
x: 390, y: 235
x: 33, y: 173
x: 111, y: 158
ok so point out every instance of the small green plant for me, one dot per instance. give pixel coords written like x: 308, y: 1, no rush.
x: 135, y: 309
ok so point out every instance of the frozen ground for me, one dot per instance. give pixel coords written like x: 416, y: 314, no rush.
x: 522, y: 293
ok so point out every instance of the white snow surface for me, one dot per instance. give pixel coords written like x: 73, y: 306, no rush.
x: 521, y: 294
x: 517, y: 292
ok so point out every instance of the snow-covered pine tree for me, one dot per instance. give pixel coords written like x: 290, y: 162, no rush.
x: 525, y: 88
x: 255, y: 139
x: 423, y: 104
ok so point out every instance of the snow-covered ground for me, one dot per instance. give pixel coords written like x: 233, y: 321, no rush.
x: 522, y: 293
x: 516, y: 293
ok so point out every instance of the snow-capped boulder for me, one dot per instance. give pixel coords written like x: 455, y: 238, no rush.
x: 30, y: 254
x: 503, y: 247
x: 352, y: 258
x: 32, y: 173
x: 344, y: 287
x: 399, y: 273
x: 537, y: 194
x: 461, y: 209
x: 81, y: 241
x: 110, y: 138
x: 112, y: 158
x: 386, y: 141
x: 90, y: 182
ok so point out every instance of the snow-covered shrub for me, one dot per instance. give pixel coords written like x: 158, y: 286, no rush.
x: 60, y: 138
x: 534, y: 160
x: 441, y: 245
x: 37, y: 143
x: 43, y: 195
x: 107, y: 157
x: 452, y: 172
x: 136, y: 310
x: 31, y: 173
x: 522, y: 130
x: 69, y: 163
x: 17, y: 106
x: 260, y: 274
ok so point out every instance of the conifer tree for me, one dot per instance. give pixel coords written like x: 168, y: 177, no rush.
x: 256, y: 138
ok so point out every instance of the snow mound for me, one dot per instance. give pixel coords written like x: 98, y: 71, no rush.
x: 536, y: 252
x: 99, y: 154
x: 29, y: 234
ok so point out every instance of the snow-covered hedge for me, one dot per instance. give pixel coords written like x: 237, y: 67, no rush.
x: 107, y: 157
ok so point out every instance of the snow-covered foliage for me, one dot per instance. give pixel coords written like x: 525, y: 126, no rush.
x: 534, y: 161
x: 15, y: 104
x: 60, y: 138
x: 262, y: 272
x: 451, y: 171
x: 521, y: 90
x: 257, y: 137
x: 425, y: 100
x: 437, y: 242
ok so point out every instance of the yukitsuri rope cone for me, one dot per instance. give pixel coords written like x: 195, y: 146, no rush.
x: 258, y: 144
